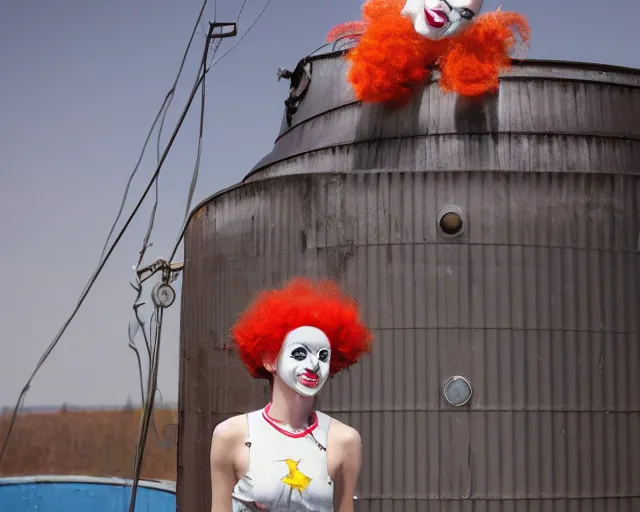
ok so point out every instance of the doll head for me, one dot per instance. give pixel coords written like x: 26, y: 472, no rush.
x: 436, y: 19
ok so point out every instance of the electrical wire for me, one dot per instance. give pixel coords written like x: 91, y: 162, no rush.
x: 171, y: 92
x: 106, y: 254
x: 196, y: 168
x: 243, y: 35
x: 244, y: 2
x: 155, y: 345
x: 101, y: 266
x: 138, y: 285
x: 195, y: 176
x: 152, y: 376
x: 152, y: 381
x: 161, y: 112
x: 145, y: 244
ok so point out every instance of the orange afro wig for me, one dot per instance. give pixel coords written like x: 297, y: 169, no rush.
x: 391, y: 60
x: 260, y: 330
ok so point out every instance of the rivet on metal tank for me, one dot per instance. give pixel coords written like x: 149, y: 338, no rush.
x: 451, y: 221
x: 457, y: 390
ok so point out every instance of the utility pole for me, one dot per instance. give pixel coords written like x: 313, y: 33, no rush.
x: 227, y: 29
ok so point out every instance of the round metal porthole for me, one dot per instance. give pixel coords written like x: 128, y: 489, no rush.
x: 457, y: 391
x: 451, y: 221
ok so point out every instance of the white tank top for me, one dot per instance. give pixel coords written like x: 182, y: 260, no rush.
x: 287, y: 472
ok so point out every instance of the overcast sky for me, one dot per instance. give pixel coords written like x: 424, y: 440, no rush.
x: 81, y: 81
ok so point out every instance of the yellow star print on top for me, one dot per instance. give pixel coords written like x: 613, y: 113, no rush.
x: 296, y: 479
x: 286, y: 472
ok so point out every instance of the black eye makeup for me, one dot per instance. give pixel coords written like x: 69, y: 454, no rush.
x: 299, y: 353
x: 466, y: 14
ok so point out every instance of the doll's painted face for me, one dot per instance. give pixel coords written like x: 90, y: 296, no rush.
x: 303, y: 362
x: 436, y: 19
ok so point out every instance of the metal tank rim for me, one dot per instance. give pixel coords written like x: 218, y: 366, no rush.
x: 556, y: 71
x: 160, y: 485
x: 566, y: 64
x: 512, y: 74
x: 591, y: 66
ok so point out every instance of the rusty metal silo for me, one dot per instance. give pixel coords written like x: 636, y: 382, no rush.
x: 533, y: 301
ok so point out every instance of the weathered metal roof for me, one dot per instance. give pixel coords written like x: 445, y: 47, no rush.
x: 529, y: 69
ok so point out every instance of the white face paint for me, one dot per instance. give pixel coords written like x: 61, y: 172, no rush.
x: 435, y: 19
x: 303, y: 362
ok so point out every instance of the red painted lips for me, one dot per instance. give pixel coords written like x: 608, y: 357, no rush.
x: 309, y: 379
x: 436, y: 18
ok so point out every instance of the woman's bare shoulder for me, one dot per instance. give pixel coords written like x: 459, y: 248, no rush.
x: 343, y: 434
x: 231, y: 430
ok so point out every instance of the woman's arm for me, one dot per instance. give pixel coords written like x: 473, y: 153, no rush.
x: 351, y: 444
x: 223, y: 474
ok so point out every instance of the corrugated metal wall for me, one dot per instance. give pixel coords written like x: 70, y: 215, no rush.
x: 536, y: 303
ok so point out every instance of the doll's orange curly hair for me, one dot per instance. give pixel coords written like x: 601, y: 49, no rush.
x: 261, y: 328
x: 391, y: 60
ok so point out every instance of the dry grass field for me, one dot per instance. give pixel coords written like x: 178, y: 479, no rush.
x: 88, y: 442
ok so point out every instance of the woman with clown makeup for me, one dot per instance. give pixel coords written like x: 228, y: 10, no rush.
x: 288, y: 456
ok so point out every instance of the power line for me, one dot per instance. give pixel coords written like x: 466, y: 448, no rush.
x: 245, y: 34
x: 152, y: 382
x: 137, y: 286
x: 244, y: 2
x: 152, y: 377
x: 101, y: 266
x: 106, y: 256
x: 194, y: 178
x: 161, y: 112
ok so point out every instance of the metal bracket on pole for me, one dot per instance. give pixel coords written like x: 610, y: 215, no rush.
x: 223, y: 25
x: 169, y: 271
